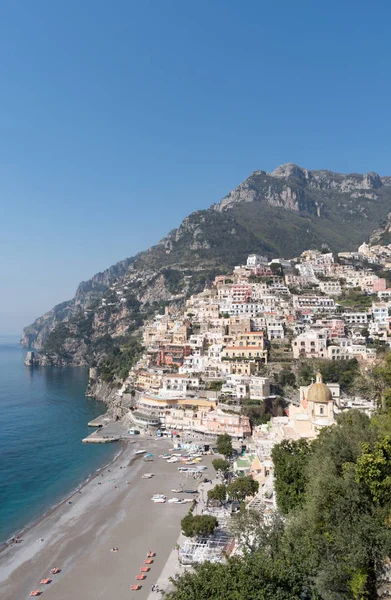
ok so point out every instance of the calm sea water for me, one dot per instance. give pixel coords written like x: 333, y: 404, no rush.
x: 43, y: 417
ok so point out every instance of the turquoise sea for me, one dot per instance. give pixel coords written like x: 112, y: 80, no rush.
x: 43, y: 417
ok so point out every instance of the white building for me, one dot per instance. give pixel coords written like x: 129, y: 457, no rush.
x: 259, y: 388
x: 256, y: 259
x: 355, y: 318
x: 330, y: 287
x: 310, y: 344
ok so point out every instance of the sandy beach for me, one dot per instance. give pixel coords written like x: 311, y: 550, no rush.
x: 109, y: 512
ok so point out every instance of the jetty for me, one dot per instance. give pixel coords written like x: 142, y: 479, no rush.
x: 100, y: 421
x: 108, y: 431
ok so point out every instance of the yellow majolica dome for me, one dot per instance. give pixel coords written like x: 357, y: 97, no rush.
x: 318, y: 391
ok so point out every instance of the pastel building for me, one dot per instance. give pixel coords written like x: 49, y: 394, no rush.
x: 315, y: 411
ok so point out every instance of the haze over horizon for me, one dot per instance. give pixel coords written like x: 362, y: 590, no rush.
x: 118, y: 120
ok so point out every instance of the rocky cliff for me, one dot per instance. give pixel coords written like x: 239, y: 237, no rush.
x: 280, y: 213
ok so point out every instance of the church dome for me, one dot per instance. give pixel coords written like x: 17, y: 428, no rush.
x: 318, y: 391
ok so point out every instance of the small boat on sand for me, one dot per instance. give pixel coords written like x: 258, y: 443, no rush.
x: 140, y: 451
x: 178, y: 491
x: 157, y: 496
x: 55, y: 570
x: 147, y: 476
x: 158, y: 500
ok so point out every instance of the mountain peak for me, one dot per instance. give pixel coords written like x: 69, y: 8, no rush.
x: 289, y: 170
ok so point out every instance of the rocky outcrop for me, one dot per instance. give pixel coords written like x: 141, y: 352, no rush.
x: 289, y: 187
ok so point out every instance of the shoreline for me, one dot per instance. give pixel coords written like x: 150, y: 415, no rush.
x: 5, y: 545
x: 113, y: 509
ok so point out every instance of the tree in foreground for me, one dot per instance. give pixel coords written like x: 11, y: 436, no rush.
x: 255, y: 577
x: 224, y: 445
x: 253, y: 533
x: 220, y: 465
x: 242, y: 487
x: 203, y: 525
x: 290, y: 459
x: 218, y: 493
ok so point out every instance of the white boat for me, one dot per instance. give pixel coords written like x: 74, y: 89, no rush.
x: 173, y: 459
x: 177, y: 491
x: 147, y: 476
x: 172, y: 500
x: 202, y: 468
x: 158, y: 497
x: 140, y: 451
x: 159, y: 501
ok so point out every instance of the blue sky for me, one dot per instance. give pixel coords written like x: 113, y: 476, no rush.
x: 117, y: 119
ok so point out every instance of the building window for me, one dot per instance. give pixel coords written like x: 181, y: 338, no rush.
x: 321, y: 409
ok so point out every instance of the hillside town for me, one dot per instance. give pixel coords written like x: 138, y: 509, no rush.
x: 239, y: 343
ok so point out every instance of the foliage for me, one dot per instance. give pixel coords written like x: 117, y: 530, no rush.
x: 344, y: 372
x: 286, y: 377
x: 56, y: 341
x: 252, y: 532
x: 203, y: 525
x: 174, y: 280
x: 355, y: 299
x: 290, y: 459
x: 257, y: 413
x: 242, y: 487
x: 373, y: 471
x: 218, y: 493
x: 253, y: 577
x: 276, y: 268
x: 219, y: 464
x: 261, y: 411
x: 224, y: 445
x: 119, y: 360
x: 376, y: 382
x: 131, y: 302
x: 215, y: 386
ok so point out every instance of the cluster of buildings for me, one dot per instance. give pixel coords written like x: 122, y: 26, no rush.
x: 203, y: 361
